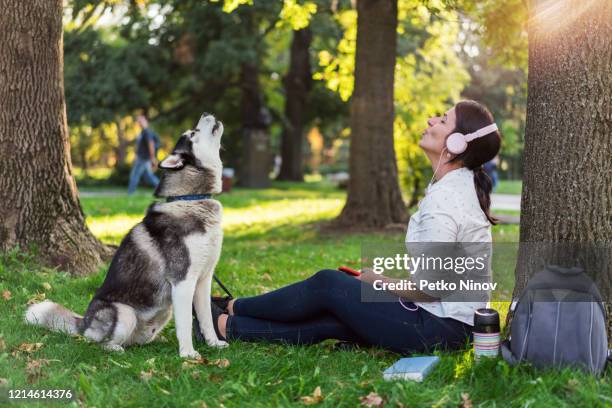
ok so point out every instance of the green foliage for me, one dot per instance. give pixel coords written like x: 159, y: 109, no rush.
x: 337, y: 69
x: 175, y: 59
x: 429, y: 77
x: 231, y: 5
x: 502, y: 86
x: 102, y: 76
x: 296, y: 15
x: 503, y: 28
x: 427, y: 82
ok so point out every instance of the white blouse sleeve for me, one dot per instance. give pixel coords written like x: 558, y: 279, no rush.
x: 437, y: 217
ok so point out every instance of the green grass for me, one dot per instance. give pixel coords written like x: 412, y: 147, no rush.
x: 271, y: 239
x: 509, y: 187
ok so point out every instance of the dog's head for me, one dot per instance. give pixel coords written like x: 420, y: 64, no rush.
x: 194, y: 166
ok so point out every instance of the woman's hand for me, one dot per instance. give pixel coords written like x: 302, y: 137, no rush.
x: 368, y: 276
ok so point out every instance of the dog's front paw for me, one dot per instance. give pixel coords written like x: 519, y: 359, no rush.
x: 217, y: 343
x: 190, y: 354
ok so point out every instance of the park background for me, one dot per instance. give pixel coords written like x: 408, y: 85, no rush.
x: 293, y: 79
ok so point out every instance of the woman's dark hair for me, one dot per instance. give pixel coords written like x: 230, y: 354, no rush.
x: 471, y: 116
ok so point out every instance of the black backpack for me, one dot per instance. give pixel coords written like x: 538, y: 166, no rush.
x: 558, y: 321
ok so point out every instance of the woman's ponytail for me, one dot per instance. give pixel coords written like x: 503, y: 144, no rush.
x: 484, y: 185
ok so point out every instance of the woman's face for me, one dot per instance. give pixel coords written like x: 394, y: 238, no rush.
x: 438, y: 128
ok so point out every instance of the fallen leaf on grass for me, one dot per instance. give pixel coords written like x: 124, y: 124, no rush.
x: 27, y: 348
x: 215, y: 378
x: 39, y: 297
x: 6, y: 295
x: 33, y: 365
x: 266, y: 276
x: 146, y: 375
x: 465, y: 401
x: 220, y: 362
x: 195, y: 361
x: 34, y: 369
x: 46, y: 285
x: 372, y: 400
x: 3, y: 382
x: 315, y: 398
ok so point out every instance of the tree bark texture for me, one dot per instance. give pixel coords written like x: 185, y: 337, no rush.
x: 374, y: 198
x: 256, y: 156
x: 567, y: 181
x: 39, y: 204
x: 298, y: 83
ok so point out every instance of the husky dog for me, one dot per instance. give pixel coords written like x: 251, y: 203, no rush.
x: 166, y: 262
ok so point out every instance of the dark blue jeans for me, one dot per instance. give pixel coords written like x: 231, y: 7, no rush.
x: 142, y: 168
x: 328, y: 306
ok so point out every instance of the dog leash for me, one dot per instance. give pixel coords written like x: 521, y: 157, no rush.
x: 222, y: 286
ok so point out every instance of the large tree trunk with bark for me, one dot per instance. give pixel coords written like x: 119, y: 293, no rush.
x: 39, y: 204
x: 567, y: 181
x: 297, y: 86
x: 256, y: 156
x: 374, y: 198
x: 256, y: 160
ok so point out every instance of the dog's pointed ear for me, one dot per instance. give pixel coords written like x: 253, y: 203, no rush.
x: 172, y: 162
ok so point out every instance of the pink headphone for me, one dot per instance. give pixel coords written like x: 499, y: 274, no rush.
x: 456, y: 143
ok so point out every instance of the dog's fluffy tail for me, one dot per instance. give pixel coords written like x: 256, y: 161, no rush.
x: 54, y: 317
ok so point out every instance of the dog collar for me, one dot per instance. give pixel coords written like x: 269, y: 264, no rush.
x: 189, y: 197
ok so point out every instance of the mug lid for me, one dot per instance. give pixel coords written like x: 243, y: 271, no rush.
x: 484, y: 317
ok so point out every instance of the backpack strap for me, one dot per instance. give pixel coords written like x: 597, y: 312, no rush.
x: 509, y: 316
x: 506, y: 353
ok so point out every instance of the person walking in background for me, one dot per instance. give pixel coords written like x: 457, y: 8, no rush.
x: 490, y: 168
x: 147, y: 144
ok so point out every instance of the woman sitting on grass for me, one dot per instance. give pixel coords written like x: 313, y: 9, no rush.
x: 329, y: 304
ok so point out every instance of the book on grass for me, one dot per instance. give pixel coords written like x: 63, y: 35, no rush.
x: 411, y: 368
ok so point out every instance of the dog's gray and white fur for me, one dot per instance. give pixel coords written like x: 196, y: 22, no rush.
x: 165, y: 262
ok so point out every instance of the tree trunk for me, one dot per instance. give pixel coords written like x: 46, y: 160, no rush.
x: 297, y: 85
x: 567, y: 177
x: 39, y: 204
x: 374, y: 198
x: 122, y: 144
x: 256, y: 156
